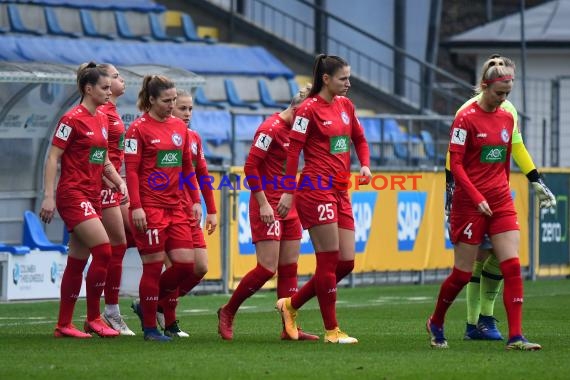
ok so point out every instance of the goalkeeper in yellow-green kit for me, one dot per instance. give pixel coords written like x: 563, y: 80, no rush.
x: 486, y: 278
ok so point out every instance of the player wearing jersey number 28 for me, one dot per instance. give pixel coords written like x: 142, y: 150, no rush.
x: 325, y: 125
x: 80, y: 142
x: 277, y: 239
x: 480, y: 153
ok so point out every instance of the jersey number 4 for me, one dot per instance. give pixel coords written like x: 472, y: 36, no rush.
x: 467, y: 231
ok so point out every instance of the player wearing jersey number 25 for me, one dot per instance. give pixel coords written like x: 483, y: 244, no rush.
x: 325, y: 126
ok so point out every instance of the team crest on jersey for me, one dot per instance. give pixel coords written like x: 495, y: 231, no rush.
x: 177, y: 139
x: 63, y: 131
x: 194, y: 148
x: 505, y: 135
x: 104, y: 132
x: 263, y: 141
x: 345, y: 118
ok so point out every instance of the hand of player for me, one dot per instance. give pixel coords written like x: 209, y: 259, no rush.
x: 197, y: 211
x: 545, y: 197
x: 365, y: 176
x: 211, y: 223
x: 266, y: 213
x: 48, y: 209
x: 284, y: 204
x: 108, y: 183
x: 449, y: 190
x: 484, y: 208
x: 122, y: 188
x: 139, y: 219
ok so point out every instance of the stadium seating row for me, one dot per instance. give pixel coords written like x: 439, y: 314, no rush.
x: 33, y: 237
x: 132, y: 5
x: 80, y: 23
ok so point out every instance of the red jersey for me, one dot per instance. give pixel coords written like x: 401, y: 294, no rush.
x: 270, y: 146
x: 116, y: 140
x: 325, y: 130
x: 83, y: 138
x: 158, y: 153
x: 483, y: 142
x: 201, y: 168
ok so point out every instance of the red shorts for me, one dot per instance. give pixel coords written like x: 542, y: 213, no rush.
x: 167, y: 229
x: 282, y: 229
x: 316, y: 208
x: 470, y: 228
x: 197, y: 234
x: 76, y: 209
x: 110, y: 198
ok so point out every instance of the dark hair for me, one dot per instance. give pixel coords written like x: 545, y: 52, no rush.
x: 88, y: 73
x: 152, y: 86
x: 325, y: 64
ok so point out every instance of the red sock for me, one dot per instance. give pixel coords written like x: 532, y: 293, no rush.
x: 447, y: 293
x: 70, y: 288
x: 148, y: 292
x: 304, y: 294
x: 513, y: 294
x: 95, y: 280
x: 325, y: 286
x: 286, y: 280
x: 114, y: 272
x: 188, y: 284
x: 251, y: 283
x: 170, y: 280
x: 343, y: 269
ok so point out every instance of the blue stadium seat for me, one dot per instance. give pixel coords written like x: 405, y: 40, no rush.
x: 246, y: 125
x: 157, y: 31
x: 201, y: 100
x: 189, y: 30
x: 213, y: 126
x: 430, y: 148
x: 129, y: 5
x: 35, y: 237
x: 16, y: 24
x: 265, y: 96
x: 53, y: 26
x: 89, y: 28
x: 233, y: 98
x: 14, y: 249
x: 293, y: 86
x: 123, y: 29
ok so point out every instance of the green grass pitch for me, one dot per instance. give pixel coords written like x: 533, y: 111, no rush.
x: 389, y: 321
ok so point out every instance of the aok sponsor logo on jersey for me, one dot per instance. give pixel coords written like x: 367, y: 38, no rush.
x: 554, y: 222
x: 169, y: 158
x: 492, y: 154
x: 97, y: 155
x: 339, y: 144
x: 411, y: 207
x: 363, y: 204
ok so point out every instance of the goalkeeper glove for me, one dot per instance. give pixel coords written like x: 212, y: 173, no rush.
x: 449, y: 189
x: 545, y: 197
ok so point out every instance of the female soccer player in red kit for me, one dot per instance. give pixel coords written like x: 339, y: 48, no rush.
x: 167, y: 309
x: 480, y: 157
x: 325, y: 124
x: 110, y: 201
x: 277, y: 240
x: 158, y: 164
x: 80, y: 142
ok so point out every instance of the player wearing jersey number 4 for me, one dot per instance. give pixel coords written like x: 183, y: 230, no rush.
x: 325, y: 126
x: 480, y: 152
x: 486, y: 279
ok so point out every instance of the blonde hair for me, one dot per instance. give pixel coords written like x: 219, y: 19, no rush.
x: 494, y: 68
x: 301, y: 95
